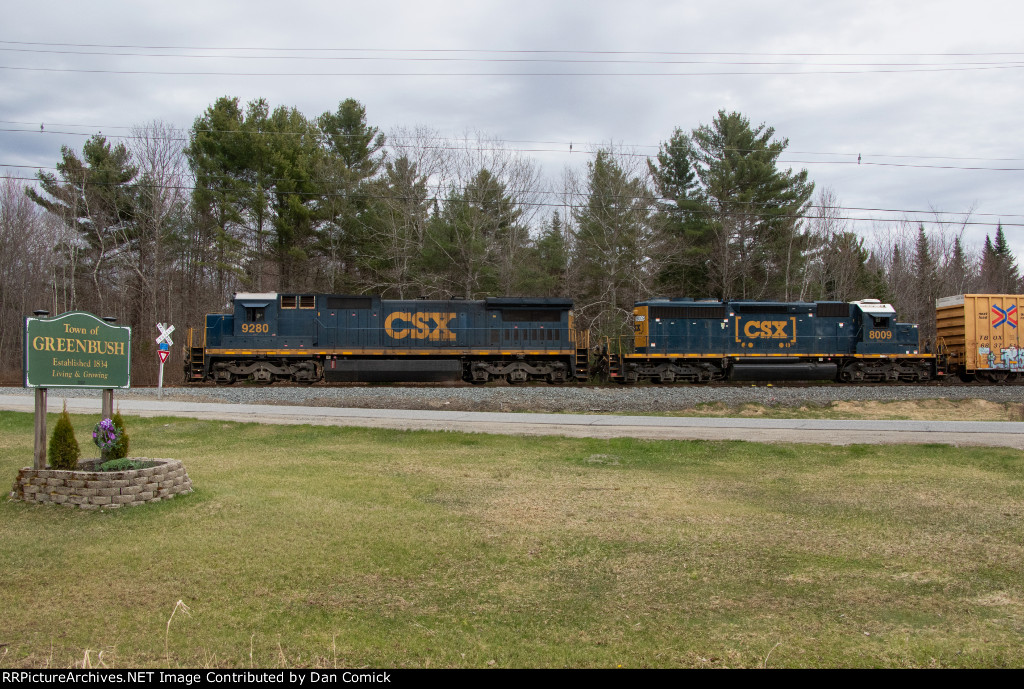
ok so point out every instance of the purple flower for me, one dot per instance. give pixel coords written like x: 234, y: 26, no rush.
x: 106, y: 434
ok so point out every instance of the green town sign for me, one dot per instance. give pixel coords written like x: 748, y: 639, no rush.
x: 76, y: 350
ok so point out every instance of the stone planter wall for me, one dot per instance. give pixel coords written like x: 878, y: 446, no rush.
x: 108, y: 489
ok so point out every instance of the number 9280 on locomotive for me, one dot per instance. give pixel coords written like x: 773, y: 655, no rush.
x: 306, y: 338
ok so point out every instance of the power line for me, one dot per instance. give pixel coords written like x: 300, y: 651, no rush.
x: 444, y: 186
x: 500, y: 60
x: 335, y: 49
x: 556, y: 150
x: 651, y: 203
x: 564, y: 143
x: 809, y: 72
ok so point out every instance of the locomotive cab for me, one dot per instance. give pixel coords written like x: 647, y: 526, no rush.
x: 877, y: 331
x: 256, y: 317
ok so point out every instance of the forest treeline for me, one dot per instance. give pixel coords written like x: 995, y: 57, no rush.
x: 168, y: 224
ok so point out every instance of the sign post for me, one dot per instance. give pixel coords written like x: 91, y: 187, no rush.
x: 39, y: 455
x: 73, y: 350
x: 163, y: 344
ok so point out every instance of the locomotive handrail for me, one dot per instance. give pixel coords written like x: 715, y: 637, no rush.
x: 513, y: 337
x: 192, y: 338
x: 581, y: 338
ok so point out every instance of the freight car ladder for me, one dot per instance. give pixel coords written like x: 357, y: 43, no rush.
x: 582, y: 355
x: 196, y: 357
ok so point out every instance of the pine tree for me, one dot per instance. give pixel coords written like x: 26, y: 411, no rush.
x: 64, y: 451
x: 475, y: 243
x: 923, y: 300
x: 1007, y: 275
x: 956, y: 274
x: 95, y: 196
x: 121, y: 450
x: 738, y: 216
x: 544, y: 267
x: 989, y: 266
x: 999, y: 272
x: 687, y: 238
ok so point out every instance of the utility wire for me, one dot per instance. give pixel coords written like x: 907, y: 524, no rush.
x: 442, y: 186
x: 503, y: 60
x: 565, y: 151
x: 810, y: 72
x: 584, y: 145
x: 496, y: 51
x: 650, y: 204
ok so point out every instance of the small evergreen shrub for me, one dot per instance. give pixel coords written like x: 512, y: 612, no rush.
x: 121, y: 450
x: 124, y: 464
x: 64, y: 451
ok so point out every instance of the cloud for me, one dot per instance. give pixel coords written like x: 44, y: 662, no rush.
x: 971, y: 112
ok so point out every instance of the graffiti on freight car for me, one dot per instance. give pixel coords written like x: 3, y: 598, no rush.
x: 1009, y: 358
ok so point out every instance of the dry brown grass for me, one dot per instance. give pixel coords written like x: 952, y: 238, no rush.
x: 911, y: 410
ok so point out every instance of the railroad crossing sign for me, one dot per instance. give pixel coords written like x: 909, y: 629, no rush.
x: 163, y: 349
x: 164, y: 342
x: 165, y: 334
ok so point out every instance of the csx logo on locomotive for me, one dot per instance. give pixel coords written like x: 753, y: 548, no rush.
x: 769, y: 330
x: 419, y: 326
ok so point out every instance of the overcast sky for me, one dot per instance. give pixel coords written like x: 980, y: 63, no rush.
x: 928, y: 94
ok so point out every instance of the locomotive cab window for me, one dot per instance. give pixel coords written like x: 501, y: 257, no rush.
x: 880, y: 321
x: 255, y: 314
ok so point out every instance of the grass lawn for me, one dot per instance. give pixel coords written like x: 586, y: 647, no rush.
x: 331, y: 547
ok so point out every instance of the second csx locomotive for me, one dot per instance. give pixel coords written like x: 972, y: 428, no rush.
x: 703, y: 341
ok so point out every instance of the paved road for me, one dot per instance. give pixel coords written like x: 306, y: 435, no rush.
x: 1001, y: 434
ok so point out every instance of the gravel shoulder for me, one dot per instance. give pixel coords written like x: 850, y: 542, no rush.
x: 545, y: 398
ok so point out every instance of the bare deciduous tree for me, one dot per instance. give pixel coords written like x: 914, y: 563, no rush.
x: 27, y: 259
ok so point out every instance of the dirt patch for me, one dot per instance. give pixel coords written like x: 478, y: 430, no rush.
x: 908, y: 410
x: 931, y: 410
